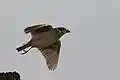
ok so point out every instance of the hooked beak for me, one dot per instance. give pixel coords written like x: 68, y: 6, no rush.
x: 67, y: 31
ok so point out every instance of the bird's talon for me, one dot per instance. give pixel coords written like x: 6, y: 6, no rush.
x: 22, y: 53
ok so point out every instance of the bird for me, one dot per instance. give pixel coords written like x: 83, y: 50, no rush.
x: 47, y: 40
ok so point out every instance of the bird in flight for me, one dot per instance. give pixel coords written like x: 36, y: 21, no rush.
x: 46, y: 39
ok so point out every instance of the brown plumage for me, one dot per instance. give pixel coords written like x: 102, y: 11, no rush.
x: 46, y: 39
x: 51, y: 54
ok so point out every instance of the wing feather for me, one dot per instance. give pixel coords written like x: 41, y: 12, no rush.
x: 51, y: 54
x: 37, y: 29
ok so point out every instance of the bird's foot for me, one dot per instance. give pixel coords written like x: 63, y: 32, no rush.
x: 24, y: 52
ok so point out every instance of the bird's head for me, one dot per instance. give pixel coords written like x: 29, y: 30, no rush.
x: 62, y: 30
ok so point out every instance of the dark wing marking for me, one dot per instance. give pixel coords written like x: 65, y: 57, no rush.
x: 33, y: 28
x: 37, y: 29
x: 51, y: 54
x: 46, y: 28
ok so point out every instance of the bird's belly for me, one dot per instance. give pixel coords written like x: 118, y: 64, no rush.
x: 43, y: 43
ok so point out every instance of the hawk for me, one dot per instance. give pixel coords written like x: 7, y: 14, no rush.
x: 46, y: 39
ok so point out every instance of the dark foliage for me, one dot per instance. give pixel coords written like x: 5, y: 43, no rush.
x: 10, y: 76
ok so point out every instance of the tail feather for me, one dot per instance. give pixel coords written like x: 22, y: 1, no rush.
x: 22, y: 47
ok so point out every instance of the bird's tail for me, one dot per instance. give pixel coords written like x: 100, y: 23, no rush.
x: 23, y: 47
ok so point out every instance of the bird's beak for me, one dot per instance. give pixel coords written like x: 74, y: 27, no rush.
x: 67, y: 31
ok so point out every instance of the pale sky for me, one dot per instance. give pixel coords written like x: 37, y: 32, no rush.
x: 90, y: 52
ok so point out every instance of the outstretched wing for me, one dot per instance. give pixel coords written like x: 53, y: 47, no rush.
x: 51, y: 54
x: 37, y: 28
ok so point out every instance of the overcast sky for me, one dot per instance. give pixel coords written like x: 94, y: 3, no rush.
x: 90, y: 52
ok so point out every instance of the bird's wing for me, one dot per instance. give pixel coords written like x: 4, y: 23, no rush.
x: 45, y: 28
x: 37, y: 28
x: 32, y: 28
x: 51, y: 54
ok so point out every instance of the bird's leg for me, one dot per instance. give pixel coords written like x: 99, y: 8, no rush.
x: 25, y: 51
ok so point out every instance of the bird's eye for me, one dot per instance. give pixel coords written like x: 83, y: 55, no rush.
x: 64, y: 31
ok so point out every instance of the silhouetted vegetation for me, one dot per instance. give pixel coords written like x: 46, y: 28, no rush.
x: 9, y: 76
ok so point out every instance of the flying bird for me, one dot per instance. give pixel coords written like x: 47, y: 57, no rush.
x: 46, y: 39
